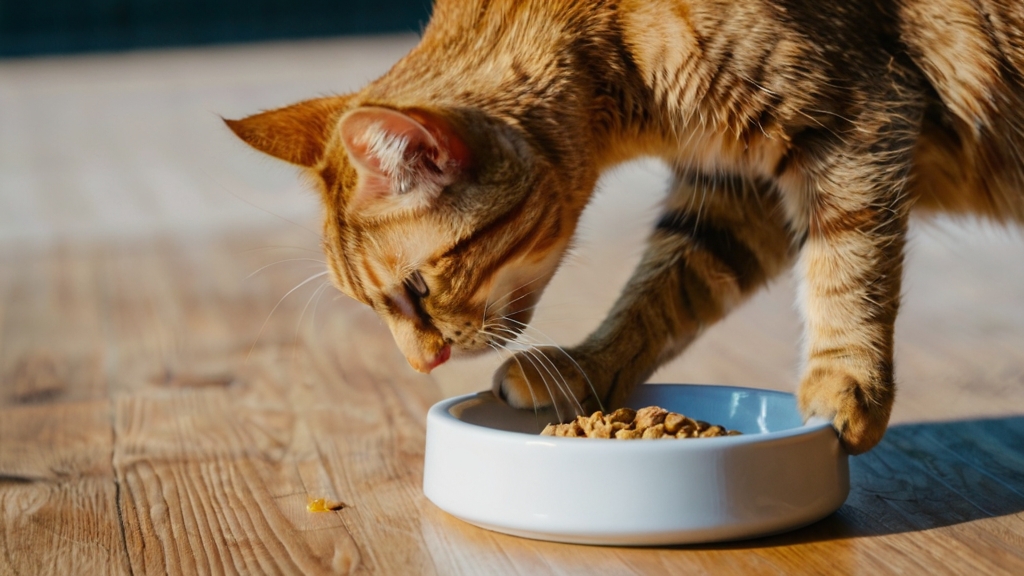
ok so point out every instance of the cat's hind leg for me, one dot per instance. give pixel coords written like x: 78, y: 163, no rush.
x: 717, y: 241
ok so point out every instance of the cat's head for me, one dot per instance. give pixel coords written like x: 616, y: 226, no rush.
x: 448, y: 223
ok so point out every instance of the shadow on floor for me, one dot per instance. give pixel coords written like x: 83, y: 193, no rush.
x: 924, y: 476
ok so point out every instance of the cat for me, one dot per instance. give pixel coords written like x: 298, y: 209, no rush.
x: 800, y: 134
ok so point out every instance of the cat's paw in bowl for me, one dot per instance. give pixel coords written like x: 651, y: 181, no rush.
x: 544, y: 377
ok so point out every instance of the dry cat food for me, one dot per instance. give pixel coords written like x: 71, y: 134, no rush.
x: 323, y: 505
x: 628, y: 424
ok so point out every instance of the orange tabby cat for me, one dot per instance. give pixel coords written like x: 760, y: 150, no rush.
x: 800, y: 132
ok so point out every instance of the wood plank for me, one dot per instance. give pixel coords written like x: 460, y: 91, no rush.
x: 49, y: 336
x: 58, y: 495
x: 205, y: 494
x: 214, y: 456
x: 58, y: 498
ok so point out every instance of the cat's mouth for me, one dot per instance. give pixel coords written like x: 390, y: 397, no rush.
x: 504, y: 330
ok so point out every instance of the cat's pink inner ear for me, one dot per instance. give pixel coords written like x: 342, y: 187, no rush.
x: 412, y: 154
x: 383, y: 140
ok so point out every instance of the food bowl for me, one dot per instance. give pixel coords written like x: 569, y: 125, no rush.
x: 486, y: 464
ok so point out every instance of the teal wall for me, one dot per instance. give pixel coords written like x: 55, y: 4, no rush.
x: 60, y: 26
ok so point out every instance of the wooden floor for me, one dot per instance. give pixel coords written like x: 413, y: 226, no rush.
x: 161, y: 413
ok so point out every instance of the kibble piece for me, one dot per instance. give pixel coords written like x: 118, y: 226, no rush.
x: 602, y: 430
x: 654, y: 432
x: 689, y: 429
x: 628, y: 434
x: 587, y: 423
x: 574, y: 429
x: 713, y: 431
x: 649, y: 416
x: 570, y: 430
x: 673, y: 422
x: 323, y: 504
x: 596, y: 427
x: 622, y: 415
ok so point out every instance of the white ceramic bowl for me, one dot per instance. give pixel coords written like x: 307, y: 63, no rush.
x: 486, y: 464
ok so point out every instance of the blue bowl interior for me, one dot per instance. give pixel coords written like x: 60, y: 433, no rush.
x: 749, y: 410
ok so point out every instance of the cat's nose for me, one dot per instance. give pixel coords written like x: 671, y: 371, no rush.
x: 423, y: 346
x: 425, y: 365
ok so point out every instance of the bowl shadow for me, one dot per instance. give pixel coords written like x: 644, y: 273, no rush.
x: 922, y: 476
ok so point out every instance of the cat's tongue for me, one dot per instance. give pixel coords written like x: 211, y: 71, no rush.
x: 441, y: 358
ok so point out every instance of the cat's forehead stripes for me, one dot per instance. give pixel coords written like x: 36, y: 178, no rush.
x: 376, y: 259
x: 522, y: 241
x: 500, y: 225
x: 372, y: 278
x: 353, y: 282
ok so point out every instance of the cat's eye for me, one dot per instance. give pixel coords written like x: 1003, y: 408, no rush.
x: 417, y: 285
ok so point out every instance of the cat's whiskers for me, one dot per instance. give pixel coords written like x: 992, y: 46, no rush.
x: 262, y: 268
x: 544, y: 380
x: 511, y: 302
x: 503, y: 351
x: 532, y: 350
x: 515, y: 325
x: 246, y: 251
x: 257, y: 206
x: 315, y: 305
x: 535, y: 363
x: 298, y: 325
x: 520, y: 311
x: 487, y: 305
x: 551, y: 343
x: 272, y: 310
x: 515, y: 329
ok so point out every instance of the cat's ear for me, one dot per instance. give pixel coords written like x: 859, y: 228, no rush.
x: 296, y: 133
x: 404, y: 159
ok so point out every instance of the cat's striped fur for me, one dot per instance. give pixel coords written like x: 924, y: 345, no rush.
x: 800, y: 132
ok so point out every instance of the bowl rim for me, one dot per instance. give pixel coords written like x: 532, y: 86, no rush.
x: 441, y: 413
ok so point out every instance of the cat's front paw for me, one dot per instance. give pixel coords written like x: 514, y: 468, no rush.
x: 544, y: 377
x: 858, y: 408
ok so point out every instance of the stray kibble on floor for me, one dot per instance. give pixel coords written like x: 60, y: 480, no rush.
x: 324, y: 505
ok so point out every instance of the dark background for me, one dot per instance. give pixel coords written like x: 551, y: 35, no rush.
x: 61, y: 26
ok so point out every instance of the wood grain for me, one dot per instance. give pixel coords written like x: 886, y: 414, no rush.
x: 161, y: 413
x: 192, y: 459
